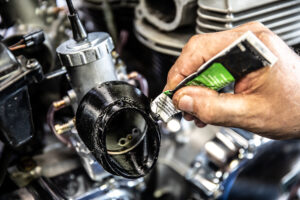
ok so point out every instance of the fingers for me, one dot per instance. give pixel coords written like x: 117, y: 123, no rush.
x: 190, y: 117
x: 202, y: 47
x: 199, y: 123
x: 211, y: 107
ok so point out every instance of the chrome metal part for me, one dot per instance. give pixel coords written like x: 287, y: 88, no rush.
x: 207, y: 156
x: 94, y: 170
x: 179, y: 153
x: 116, y: 189
x: 222, y: 155
x: 97, y: 46
x: 169, y: 14
x: 88, y: 62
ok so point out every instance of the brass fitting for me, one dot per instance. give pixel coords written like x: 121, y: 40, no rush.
x: 63, y: 128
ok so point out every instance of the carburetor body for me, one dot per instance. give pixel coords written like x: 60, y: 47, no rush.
x: 88, y: 62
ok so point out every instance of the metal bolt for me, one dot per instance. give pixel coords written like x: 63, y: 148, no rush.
x: 32, y: 63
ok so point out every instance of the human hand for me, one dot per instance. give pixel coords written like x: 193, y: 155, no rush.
x: 266, y: 101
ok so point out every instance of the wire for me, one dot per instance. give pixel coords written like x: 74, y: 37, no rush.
x: 32, y: 39
x: 22, y: 46
x: 18, y: 43
x: 55, y: 106
x: 71, y: 7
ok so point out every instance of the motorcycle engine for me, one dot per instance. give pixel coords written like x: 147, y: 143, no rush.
x: 76, y: 82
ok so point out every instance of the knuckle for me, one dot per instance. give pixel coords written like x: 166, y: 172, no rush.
x: 191, y: 43
x: 170, y: 75
x: 254, y: 26
x: 185, y: 47
x: 264, y: 35
x: 193, y: 39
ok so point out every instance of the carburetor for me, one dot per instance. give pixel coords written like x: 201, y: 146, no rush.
x: 87, y: 58
x: 113, y: 117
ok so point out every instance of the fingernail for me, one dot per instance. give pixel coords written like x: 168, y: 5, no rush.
x: 186, y: 103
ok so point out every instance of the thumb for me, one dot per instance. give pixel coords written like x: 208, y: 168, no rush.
x: 212, y: 107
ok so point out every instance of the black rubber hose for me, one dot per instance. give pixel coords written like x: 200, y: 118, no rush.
x: 71, y: 7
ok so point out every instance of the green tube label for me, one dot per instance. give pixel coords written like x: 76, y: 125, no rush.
x: 215, y: 77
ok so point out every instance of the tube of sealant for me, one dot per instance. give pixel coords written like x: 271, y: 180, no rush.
x: 243, y: 56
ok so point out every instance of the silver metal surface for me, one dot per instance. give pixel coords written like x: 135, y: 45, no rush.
x: 223, y: 148
x: 94, y: 170
x: 231, y: 16
x: 225, y: 6
x: 163, y: 107
x: 97, y: 46
x: 89, y: 62
x: 84, y: 78
x: 169, y: 43
x: 265, y: 17
x: 210, y: 188
x: 167, y: 15
x: 178, y: 155
x: 282, y: 17
x: 97, y: 194
x: 226, y: 151
x: 114, y: 188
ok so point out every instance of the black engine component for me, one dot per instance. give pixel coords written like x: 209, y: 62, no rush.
x: 15, y: 109
x: 113, y: 120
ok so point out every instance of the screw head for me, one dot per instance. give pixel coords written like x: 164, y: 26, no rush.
x: 32, y: 63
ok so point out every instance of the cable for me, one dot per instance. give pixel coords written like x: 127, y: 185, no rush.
x: 18, y: 43
x: 55, y: 106
x: 79, y: 33
x: 29, y: 40
x: 14, y: 48
x: 71, y: 7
